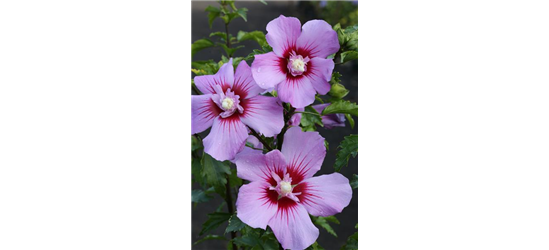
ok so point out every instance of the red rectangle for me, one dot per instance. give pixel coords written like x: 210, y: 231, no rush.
x: 453, y: 219
x: 453, y: 166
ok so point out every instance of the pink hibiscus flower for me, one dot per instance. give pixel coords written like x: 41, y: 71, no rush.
x: 283, y: 192
x: 297, y: 66
x: 230, y: 103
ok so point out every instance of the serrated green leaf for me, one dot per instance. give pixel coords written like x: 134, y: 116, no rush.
x: 323, y: 222
x: 352, y: 242
x: 348, y: 147
x: 214, y: 220
x: 257, y: 36
x: 213, y: 13
x: 200, y: 45
x: 215, y: 173
x: 195, y: 143
x: 210, y: 237
x: 235, y: 224
x: 247, y: 240
x: 200, y: 196
x: 341, y: 107
x: 354, y: 182
x: 209, y: 67
x: 335, y: 78
x: 311, y: 118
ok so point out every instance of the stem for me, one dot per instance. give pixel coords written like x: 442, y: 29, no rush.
x: 229, y: 200
x: 280, y: 138
x: 265, y: 144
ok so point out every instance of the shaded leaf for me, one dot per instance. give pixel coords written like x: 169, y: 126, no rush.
x: 351, y: 120
x: 348, y: 147
x: 234, y: 180
x: 200, y: 196
x: 341, y: 107
x: 354, y: 182
x: 242, y: 13
x: 213, y: 13
x: 210, y: 237
x: 323, y: 222
x: 348, y: 56
x: 223, y: 35
x: 215, y: 173
x: 257, y: 36
x: 352, y: 242
x: 314, y: 246
x: 200, y: 45
x: 310, y: 119
x: 235, y: 224
x: 214, y: 220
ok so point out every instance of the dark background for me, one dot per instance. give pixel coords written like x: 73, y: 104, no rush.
x: 258, y: 17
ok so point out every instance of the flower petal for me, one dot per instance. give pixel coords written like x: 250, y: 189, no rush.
x: 252, y: 165
x: 320, y: 73
x: 297, y: 91
x: 325, y: 195
x: 263, y: 114
x: 268, y: 70
x: 244, y: 84
x: 223, y: 77
x: 304, y: 152
x: 282, y: 34
x: 203, y: 112
x: 318, y: 38
x: 227, y: 137
x: 253, y: 205
x: 293, y: 227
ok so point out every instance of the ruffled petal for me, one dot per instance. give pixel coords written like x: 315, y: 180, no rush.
x: 253, y: 205
x: 282, y: 34
x: 318, y: 39
x: 320, y: 73
x: 263, y: 114
x: 224, y: 77
x: 268, y: 70
x: 227, y: 137
x: 293, y: 227
x: 304, y: 152
x: 325, y: 195
x: 244, y: 84
x: 203, y: 112
x: 297, y: 91
x: 252, y: 165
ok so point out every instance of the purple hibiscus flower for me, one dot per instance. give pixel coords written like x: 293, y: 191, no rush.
x: 297, y: 67
x: 283, y: 192
x: 230, y: 103
x: 330, y: 121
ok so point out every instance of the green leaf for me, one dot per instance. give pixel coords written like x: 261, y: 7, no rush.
x: 215, y: 173
x: 351, y: 120
x: 257, y: 36
x: 210, y: 237
x: 247, y: 240
x: 314, y: 246
x: 310, y: 119
x: 348, y: 56
x: 208, y: 67
x: 263, y: 2
x: 195, y: 143
x: 223, y: 35
x: 341, y: 107
x: 234, y: 180
x: 323, y: 222
x: 200, y: 196
x: 348, y: 147
x: 354, y: 182
x: 214, y: 220
x: 196, y: 170
x: 213, y: 13
x: 200, y: 45
x: 242, y: 13
x: 352, y: 242
x: 229, y: 51
x: 235, y: 224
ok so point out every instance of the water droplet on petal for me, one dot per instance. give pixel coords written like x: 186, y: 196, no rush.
x: 258, y: 69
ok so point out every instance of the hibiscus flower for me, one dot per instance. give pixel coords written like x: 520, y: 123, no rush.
x: 283, y: 192
x: 230, y: 105
x: 297, y: 67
